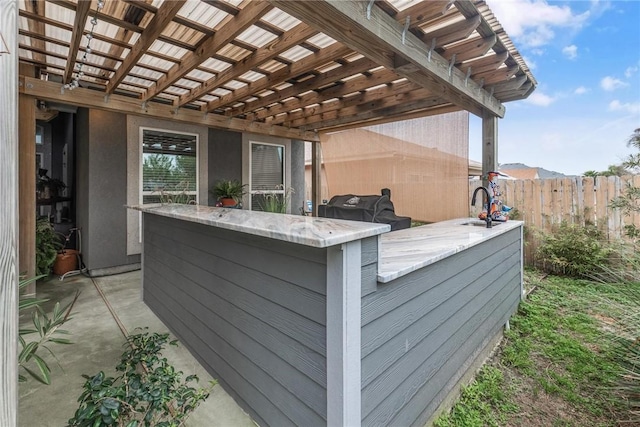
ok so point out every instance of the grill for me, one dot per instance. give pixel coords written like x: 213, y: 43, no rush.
x: 378, y: 209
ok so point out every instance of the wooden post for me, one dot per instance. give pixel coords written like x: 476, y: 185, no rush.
x: 316, y: 176
x: 27, y: 186
x: 344, y: 284
x: 9, y: 215
x: 489, y: 145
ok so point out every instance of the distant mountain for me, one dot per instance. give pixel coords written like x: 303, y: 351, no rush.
x: 522, y: 171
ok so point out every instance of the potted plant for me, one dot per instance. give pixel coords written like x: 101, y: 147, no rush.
x: 47, y: 245
x: 48, y: 188
x: 229, y: 191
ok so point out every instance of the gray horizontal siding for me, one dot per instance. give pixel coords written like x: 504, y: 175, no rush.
x: 259, y: 329
x: 369, y: 265
x: 418, y: 330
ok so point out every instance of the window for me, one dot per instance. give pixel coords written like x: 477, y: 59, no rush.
x: 267, y: 173
x: 39, y: 135
x: 169, y: 167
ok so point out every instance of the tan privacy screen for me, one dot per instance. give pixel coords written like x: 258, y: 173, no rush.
x: 423, y: 161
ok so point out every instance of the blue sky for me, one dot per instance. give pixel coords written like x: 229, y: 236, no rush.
x: 585, y: 56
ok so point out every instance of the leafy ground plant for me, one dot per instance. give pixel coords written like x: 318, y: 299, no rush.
x: 148, y: 391
x: 574, y: 250
x: 46, y: 326
x: 563, y: 362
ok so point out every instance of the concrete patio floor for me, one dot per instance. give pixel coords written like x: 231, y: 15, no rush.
x: 97, y: 345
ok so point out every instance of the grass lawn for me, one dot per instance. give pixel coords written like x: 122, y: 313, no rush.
x: 560, y: 363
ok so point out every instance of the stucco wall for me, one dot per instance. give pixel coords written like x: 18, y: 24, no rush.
x: 101, y: 193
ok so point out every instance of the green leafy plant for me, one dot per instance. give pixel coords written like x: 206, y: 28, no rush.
x: 180, y: 194
x: 574, y: 250
x: 229, y: 189
x: 48, y: 243
x: 148, y: 391
x: 47, y: 328
x: 48, y: 187
x: 275, y: 202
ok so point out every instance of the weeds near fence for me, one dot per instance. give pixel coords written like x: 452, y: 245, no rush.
x: 574, y: 250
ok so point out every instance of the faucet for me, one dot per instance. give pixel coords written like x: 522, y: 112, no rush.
x: 473, y: 203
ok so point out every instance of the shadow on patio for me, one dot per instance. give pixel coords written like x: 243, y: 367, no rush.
x: 97, y: 345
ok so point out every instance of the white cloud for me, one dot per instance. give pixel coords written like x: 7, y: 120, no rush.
x: 630, y: 71
x: 570, y: 52
x: 540, y: 99
x: 629, y: 107
x: 580, y: 90
x: 532, y: 22
x: 611, y: 83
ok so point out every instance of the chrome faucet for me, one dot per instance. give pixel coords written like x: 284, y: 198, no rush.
x: 473, y: 203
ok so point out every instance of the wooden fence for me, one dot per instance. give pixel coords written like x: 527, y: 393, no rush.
x: 543, y: 203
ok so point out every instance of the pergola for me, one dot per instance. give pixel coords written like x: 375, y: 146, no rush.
x: 292, y: 69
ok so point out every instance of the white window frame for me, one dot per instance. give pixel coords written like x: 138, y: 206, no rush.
x: 284, y: 171
x: 143, y: 193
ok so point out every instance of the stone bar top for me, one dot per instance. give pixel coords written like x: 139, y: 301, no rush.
x: 304, y: 230
x: 407, y: 250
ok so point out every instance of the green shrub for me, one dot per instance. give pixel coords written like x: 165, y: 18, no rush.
x: 148, y: 392
x: 574, y: 250
x: 48, y: 243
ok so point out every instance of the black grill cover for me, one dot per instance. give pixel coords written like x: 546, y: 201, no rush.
x: 378, y: 209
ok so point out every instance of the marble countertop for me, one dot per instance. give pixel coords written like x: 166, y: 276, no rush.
x: 407, y: 250
x: 304, y: 230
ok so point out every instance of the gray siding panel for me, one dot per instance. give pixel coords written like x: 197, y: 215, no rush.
x: 369, y: 263
x: 260, y: 332
x: 216, y: 365
x: 443, y: 380
x: 268, y: 256
x: 418, y: 330
x: 395, y: 293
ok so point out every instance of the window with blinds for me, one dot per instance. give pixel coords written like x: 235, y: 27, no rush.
x: 267, y: 173
x: 169, y: 167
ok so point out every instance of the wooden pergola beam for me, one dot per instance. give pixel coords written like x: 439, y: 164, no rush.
x: 486, y: 63
x: 469, y: 49
x: 232, y: 26
x: 164, y: 15
x: 36, y: 9
x: 294, y: 118
x: 380, y: 37
x: 424, y: 11
x: 82, y: 11
x: 453, y: 32
x: 304, y: 65
x: 51, y: 91
x: 352, y: 68
x: 286, y: 41
x: 355, y: 84
x: 391, y: 105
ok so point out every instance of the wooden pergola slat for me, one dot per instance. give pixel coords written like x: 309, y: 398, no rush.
x: 82, y: 11
x: 165, y: 14
x: 251, y: 13
x: 305, y: 65
x: 260, y: 56
x: 350, y: 69
x: 379, y: 37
